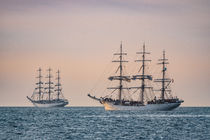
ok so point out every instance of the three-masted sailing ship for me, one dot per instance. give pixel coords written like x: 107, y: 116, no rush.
x: 165, y: 102
x: 50, y: 95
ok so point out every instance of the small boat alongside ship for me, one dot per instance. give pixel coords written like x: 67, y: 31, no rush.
x: 165, y: 102
x: 50, y: 95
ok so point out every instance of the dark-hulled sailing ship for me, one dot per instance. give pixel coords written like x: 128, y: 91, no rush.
x: 165, y: 102
x: 50, y: 95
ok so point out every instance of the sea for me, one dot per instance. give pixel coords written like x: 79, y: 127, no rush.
x: 94, y: 123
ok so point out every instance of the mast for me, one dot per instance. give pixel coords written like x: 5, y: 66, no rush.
x: 121, y: 77
x: 143, y: 67
x: 49, y: 83
x: 163, y: 76
x: 39, y: 83
x: 163, y: 81
x: 142, y: 77
x: 120, y: 90
x: 58, y: 85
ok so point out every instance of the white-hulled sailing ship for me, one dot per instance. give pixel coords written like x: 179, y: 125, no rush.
x: 165, y: 102
x: 50, y: 96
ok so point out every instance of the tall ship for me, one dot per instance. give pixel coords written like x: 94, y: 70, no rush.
x: 120, y: 97
x: 49, y: 95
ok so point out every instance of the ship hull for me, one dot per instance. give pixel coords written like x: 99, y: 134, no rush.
x: 55, y: 103
x: 50, y: 104
x: 148, y: 107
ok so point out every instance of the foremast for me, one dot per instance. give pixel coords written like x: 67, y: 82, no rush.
x: 164, y: 81
x: 49, y: 84
x: 121, y: 77
x: 142, y: 77
x: 39, y: 83
x: 58, y: 85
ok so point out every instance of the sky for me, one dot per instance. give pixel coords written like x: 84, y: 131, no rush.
x: 79, y: 37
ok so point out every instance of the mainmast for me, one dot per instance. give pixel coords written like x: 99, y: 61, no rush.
x: 49, y: 83
x: 39, y: 83
x: 121, y: 78
x: 120, y: 90
x: 58, y: 85
x: 163, y: 81
x: 142, y: 77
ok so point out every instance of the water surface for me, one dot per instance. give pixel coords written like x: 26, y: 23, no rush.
x: 95, y: 123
